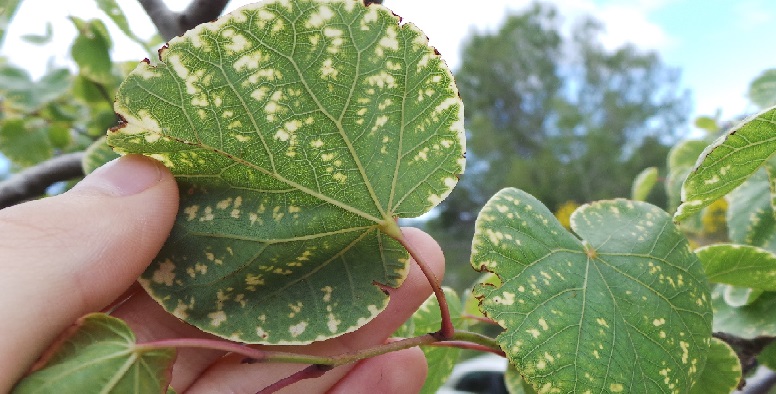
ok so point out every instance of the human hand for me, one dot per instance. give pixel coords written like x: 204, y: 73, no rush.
x: 68, y: 255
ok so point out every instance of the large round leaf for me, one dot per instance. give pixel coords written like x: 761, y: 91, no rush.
x: 298, y: 131
x: 625, y: 310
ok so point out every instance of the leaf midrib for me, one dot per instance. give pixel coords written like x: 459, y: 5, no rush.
x: 279, y: 177
x: 337, y: 121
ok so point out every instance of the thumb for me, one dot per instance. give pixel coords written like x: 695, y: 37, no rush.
x: 71, y: 254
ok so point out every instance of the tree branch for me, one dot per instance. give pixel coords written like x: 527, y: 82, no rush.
x: 201, y: 11
x: 171, y: 24
x: 33, y: 181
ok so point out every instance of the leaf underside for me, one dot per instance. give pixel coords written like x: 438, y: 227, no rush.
x: 298, y: 131
x: 625, y: 310
x: 101, y: 356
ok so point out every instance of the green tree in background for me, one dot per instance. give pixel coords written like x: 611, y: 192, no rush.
x: 555, y: 113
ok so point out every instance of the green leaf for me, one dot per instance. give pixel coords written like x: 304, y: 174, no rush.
x: 59, y: 135
x: 739, y: 265
x: 739, y: 296
x: 728, y: 162
x: 45, y: 38
x: 515, y: 382
x: 52, y: 86
x: 681, y: 159
x: 26, y: 95
x: 112, y: 9
x: 7, y: 10
x: 620, y: 311
x: 23, y: 143
x: 722, y: 372
x: 426, y: 319
x: 750, y: 215
x: 97, y: 154
x: 101, y: 355
x: 753, y: 320
x: 762, y: 90
x: 767, y: 356
x: 298, y: 131
x: 707, y: 123
x: 91, y: 51
x: 644, y: 183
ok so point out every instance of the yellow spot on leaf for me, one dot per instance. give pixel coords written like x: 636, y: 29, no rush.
x: 297, y: 329
x: 216, y: 318
x: 165, y: 273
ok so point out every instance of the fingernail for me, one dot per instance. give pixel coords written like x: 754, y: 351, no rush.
x: 124, y: 176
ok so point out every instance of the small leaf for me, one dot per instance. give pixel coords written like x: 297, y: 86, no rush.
x: 45, y: 38
x: 112, y: 9
x: 722, y: 372
x: 750, y: 215
x: 762, y: 91
x: 739, y: 265
x: 681, y: 159
x: 621, y: 310
x: 753, y: 320
x: 739, y: 296
x: 25, y: 144
x: 707, y: 123
x: 426, y: 319
x: 101, y: 355
x: 644, y: 183
x: 7, y: 10
x: 97, y: 154
x: 728, y: 162
x: 91, y: 51
x: 298, y: 132
x: 24, y: 95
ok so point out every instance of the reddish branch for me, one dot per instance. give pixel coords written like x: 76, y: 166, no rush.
x: 447, y: 330
x: 311, y: 372
x: 171, y: 24
x: 33, y: 181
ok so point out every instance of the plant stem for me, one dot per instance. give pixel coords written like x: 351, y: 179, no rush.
x: 254, y: 355
x: 310, y: 372
x: 468, y: 346
x: 479, y: 339
x: 260, y: 356
x: 447, y: 330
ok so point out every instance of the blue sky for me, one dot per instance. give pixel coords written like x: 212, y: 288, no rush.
x: 720, y: 45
